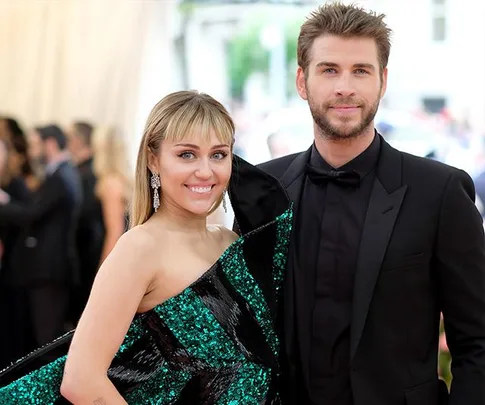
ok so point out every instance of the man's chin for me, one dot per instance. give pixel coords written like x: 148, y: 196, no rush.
x: 344, y: 132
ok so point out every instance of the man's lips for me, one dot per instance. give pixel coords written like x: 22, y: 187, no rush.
x: 345, y: 109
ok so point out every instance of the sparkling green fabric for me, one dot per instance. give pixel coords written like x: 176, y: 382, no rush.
x: 211, y: 350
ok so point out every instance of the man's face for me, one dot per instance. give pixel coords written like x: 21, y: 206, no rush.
x: 343, y: 85
x: 36, y: 147
x: 74, y: 143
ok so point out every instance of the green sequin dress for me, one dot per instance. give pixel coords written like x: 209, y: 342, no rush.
x: 213, y: 343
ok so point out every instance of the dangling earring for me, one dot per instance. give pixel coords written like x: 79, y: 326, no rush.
x: 224, y: 204
x: 155, y: 183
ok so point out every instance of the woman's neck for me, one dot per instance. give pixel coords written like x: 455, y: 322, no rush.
x: 178, y: 220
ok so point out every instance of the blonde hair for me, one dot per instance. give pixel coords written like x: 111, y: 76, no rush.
x: 110, y: 158
x: 344, y: 21
x: 175, y: 117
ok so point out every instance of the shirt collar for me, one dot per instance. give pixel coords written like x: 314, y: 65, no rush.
x: 53, y: 166
x: 362, y: 164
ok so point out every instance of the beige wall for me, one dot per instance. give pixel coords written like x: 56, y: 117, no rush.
x: 107, y: 61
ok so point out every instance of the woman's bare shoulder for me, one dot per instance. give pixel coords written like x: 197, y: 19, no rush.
x: 138, y: 238
x: 226, y: 235
x: 139, y: 244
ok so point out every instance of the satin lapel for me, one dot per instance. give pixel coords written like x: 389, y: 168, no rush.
x: 385, y: 202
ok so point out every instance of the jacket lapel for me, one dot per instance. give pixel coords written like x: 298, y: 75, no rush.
x: 385, y: 202
x: 293, y: 180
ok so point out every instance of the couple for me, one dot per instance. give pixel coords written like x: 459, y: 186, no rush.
x: 332, y: 294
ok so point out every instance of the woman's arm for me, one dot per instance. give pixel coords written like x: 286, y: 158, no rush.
x: 112, y: 199
x: 117, y: 292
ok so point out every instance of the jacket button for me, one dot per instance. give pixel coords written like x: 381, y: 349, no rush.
x: 31, y: 242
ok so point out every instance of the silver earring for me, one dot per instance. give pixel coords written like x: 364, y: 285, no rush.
x: 224, y: 204
x: 155, y: 183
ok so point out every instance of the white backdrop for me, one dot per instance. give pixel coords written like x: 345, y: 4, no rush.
x: 107, y: 61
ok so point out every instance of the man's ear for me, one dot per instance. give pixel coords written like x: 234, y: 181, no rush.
x: 301, y: 83
x: 384, y: 82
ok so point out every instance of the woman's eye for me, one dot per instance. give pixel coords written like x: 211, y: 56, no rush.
x: 186, y: 155
x: 219, y: 155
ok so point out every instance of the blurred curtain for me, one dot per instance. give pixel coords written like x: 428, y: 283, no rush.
x: 107, y: 61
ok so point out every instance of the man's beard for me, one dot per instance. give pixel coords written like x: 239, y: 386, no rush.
x: 331, y: 132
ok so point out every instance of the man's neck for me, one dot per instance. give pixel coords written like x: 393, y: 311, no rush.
x: 58, y: 158
x: 82, y: 156
x: 341, y: 151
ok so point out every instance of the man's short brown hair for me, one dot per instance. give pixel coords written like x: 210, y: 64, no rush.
x: 346, y: 21
x: 84, y: 130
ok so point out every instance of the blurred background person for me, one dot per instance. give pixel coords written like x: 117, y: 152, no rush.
x: 278, y: 145
x: 479, y: 180
x: 4, y: 301
x: 35, y: 151
x: 19, y: 159
x: 13, y: 333
x: 44, y: 256
x: 90, y: 229
x: 16, y: 174
x: 114, y: 184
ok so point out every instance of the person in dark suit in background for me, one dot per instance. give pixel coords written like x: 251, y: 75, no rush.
x: 90, y: 230
x: 383, y: 241
x: 14, y: 333
x: 44, y: 258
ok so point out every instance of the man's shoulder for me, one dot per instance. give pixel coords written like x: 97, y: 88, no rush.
x: 276, y: 167
x: 429, y: 177
x: 69, y: 171
x: 65, y: 180
x: 428, y: 168
x: 85, y: 170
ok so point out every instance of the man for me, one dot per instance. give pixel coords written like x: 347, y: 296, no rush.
x: 90, y: 232
x: 45, y: 259
x: 383, y: 241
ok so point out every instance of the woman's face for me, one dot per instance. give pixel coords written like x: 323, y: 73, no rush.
x: 193, y: 173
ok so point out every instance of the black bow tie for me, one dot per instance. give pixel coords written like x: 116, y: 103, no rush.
x: 345, y: 178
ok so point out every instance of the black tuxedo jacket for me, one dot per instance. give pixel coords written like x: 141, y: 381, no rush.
x: 46, y: 247
x: 90, y: 232
x: 422, y: 252
x: 9, y: 235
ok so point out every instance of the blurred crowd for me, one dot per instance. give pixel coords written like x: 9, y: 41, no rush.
x: 64, y: 197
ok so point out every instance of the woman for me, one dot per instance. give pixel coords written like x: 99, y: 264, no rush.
x: 20, y: 162
x: 180, y: 313
x: 14, y: 337
x: 114, y: 184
